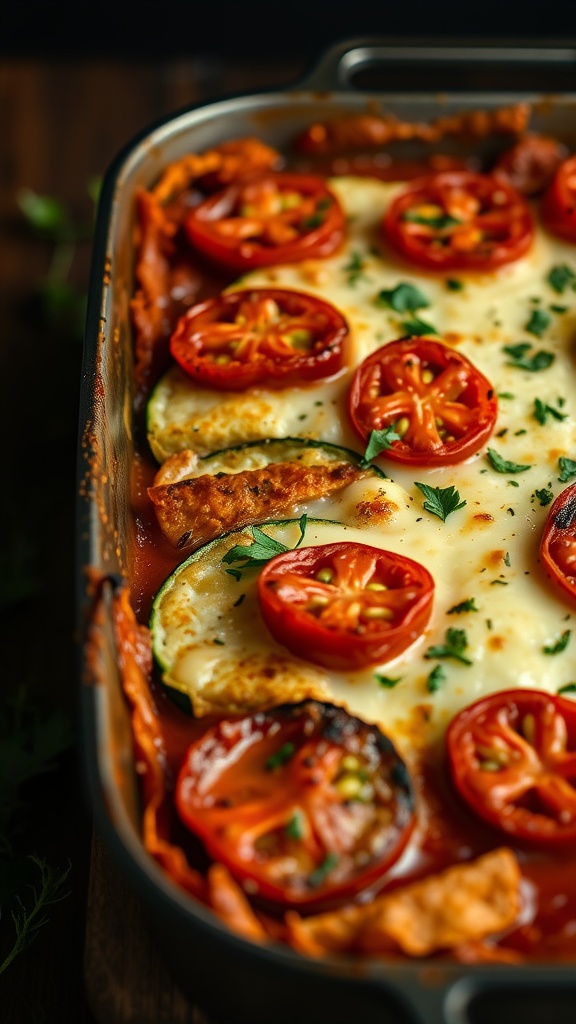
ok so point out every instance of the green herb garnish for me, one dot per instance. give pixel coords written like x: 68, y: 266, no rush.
x: 260, y: 551
x: 435, y: 679
x: 295, y: 827
x: 438, y: 222
x: 404, y: 298
x: 379, y: 441
x: 469, y: 605
x: 355, y: 267
x: 502, y: 465
x: 538, y: 322
x: 544, y: 495
x: 567, y: 469
x: 535, y: 362
x: 455, y: 644
x: 542, y: 411
x: 417, y: 328
x: 389, y: 682
x: 440, y: 501
x: 561, y: 277
x: 567, y: 688
x: 559, y: 645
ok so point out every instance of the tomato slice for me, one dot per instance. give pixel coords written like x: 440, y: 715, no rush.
x: 440, y: 406
x: 558, y: 207
x: 271, y: 336
x: 276, y: 218
x: 512, y: 758
x: 346, y: 605
x: 558, y: 542
x: 459, y: 220
x: 304, y: 804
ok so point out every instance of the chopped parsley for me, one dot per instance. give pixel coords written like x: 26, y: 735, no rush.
x: 404, y: 298
x: 538, y: 322
x: 502, y: 465
x: 567, y: 688
x: 355, y: 267
x: 534, y: 362
x: 567, y: 469
x: 440, y: 501
x: 295, y: 827
x: 542, y: 411
x: 559, y: 645
x: 544, y: 495
x: 561, y: 277
x: 435, y: 679
x: 455, y: 644
x: 262, y: 549
x: 417, y: 328
x: 379, y: 441
x: 454, y: 285
x: 469, y: 605
x: 389, y: 682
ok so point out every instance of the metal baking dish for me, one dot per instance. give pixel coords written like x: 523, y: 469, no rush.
x: 237, y: 982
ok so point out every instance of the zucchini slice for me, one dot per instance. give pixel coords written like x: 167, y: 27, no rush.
x: 209, y: 639
x: 181, y: 415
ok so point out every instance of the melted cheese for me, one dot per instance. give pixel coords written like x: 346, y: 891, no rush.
x: 486, y: 551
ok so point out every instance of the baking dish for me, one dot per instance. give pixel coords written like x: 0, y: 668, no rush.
x: 236, y: 981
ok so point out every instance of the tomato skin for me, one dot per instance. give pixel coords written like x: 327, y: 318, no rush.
x: 245, y: 784
x: 241, y: 338
x: 512, y: 758
x: 459, y: 220
x: 224, y: 229
x: 558, y: 541
x: 558, y: 208
x: 391, y: 385
x: 374, y: 607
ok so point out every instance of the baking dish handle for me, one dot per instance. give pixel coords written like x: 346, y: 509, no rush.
x: 337, y: 66
x: 441, y: 996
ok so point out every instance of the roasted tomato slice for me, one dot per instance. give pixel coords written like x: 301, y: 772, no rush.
x: 512, y: 758
x: 304, y: 804
x: 459, y: 220
x: 558, y: 207
x: 345, y: 606
x: 270, y: 336
x: 558, y: 542
x: 277, y: 218
x: 441, y: 408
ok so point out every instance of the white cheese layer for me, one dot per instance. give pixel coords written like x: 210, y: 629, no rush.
x: 483, y: 557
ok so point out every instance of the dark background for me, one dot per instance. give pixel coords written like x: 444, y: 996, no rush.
x: 77, y: 82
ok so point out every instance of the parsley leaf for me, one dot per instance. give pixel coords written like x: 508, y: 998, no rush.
x: 388, y: 681
x: 404, y: 298
x: 535, y: 362
x: 320, y: 873
x: 542, y: 411
x: 468, y: 605
x: 282, y: 756
x: 561, y: 277
x: 454, y: 285
x: 559, y: 645
x: 380, y: 441
x: 567, y: 688
x: 260, y: 551
x: 538, y: 322
x: 295, y: 827
x: 502, y: 465
x: 544, y: 496
x: 435, y: 679
x: 440, y: 501
x: 567, y: 469
x: 454, y: 647
x: 355, y: 267
x: 417, y: 327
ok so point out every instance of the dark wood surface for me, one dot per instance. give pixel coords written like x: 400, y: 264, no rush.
x: 62, y: 123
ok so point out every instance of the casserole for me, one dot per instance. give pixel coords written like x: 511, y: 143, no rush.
x: 319, y: 990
